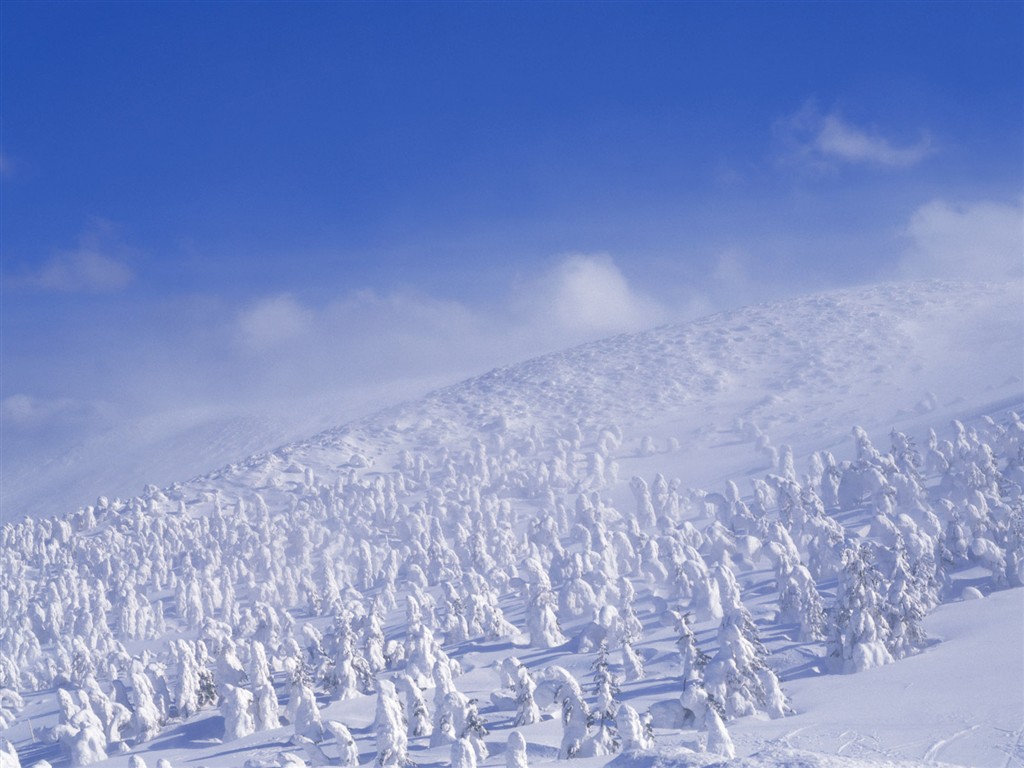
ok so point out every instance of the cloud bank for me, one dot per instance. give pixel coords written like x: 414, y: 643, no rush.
x: 366, y: 336
x: 98, y: 265
x: 978, y: 240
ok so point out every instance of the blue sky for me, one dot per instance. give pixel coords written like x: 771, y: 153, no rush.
x: 231, y: 203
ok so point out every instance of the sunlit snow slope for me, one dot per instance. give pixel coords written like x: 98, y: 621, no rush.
x: 475, y: 548
x: 803, y: 371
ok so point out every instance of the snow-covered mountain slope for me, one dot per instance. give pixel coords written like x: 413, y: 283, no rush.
x: 119, y: 458
x: 802, y: 372
x: 725, y: 535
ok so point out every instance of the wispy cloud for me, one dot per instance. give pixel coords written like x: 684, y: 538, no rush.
x: 825, y: 141
x: 273, y: 321
x: 584, y: 296
x: 366, y: 335
x: 30, y: 413
x: 982, y: 240
x: 99, y: 264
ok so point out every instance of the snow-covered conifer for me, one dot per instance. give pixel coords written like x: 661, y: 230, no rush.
x: 799, y: 601
x: 390, y: 727
x: 705, y: 600
x: 737, y: 675
x: 423, y: 652
x: 605, y: 740
x: 146, y: 719
x: 351, y: 674
x: 187, y: 688
x: 467, y: 724
x: 447, y: 699
x: 265, y: 705
x: 515, y: 751
x: 348, y: 750
x: 9, y: 755
x: 718, y: 739
x: 692, y: 658
x: 527, y: 711
x: 236, y: 706
x: 904, y: 609
x: 635, y: 731
x: 230, y: 670
x: 81, y: 734
x: 462, y: 754
x: 11, y: 704
x: 542, y: 621
x: 575, y: 713
x: 645, y: 516
x: 315, y: 756
x: 415, y: 706
x: 373, y: 638
x: 632, y: 663
x: 858, y: 628
x: 302, y: 711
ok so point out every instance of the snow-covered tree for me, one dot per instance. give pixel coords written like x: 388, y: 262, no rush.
x: 236, y: 706
x: 904, y: 609
x: 632, y: 663
x: 146, y: 718
x: 390, y: 726
x: 467, y: 724
x: 9, y: 755
x: 575, y: 714
x: 636, y: 732
x: 463, y: 754
x: 737, y: 675
x: 348, y: 750
x: 690, y: 655
x: 858, y: 628
x: 515, y: 751
x: 542, y: 621
x: 265, y: 705
x: 799, y: 601
x: 527, y: 711
x: 718, y: 739
x: 188, y: 688
x: 416, y: 711
x: 11, y: 704
x: 302, y: 711
x: 605, y: 740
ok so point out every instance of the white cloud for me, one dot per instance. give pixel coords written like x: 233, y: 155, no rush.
x: 30, y: 412
x: 83, y: 270
x: 282, y: 344
x: 981, y: 240
x: 586, y: 296
x: 824, y: 141
x: 273, y: 321
x: 97, y: 265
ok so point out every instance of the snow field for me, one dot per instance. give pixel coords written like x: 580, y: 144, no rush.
x: 538, y: 510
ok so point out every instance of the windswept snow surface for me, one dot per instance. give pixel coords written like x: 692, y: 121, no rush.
x: 514, y: 490
x: 802, y: 371
x: 120, y: 458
